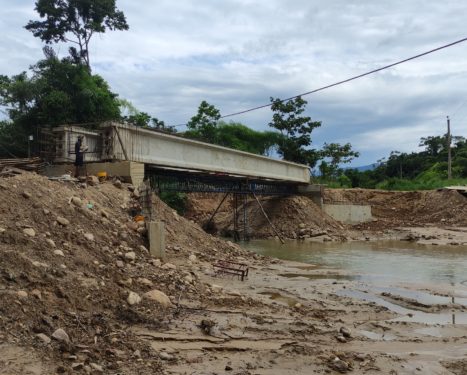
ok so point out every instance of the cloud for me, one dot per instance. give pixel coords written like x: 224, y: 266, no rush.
x: 237, y: 53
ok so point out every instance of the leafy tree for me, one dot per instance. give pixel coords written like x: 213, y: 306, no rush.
x: 433, y: 145
x: 296, y: 129
x: 57, y: 92
x: 160, y: 125
x: 76, y: 21
x: 204, y: 123
x: 141, y: 119
x: 337, y: 154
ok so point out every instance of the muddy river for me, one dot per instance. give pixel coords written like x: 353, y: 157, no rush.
x: 425, y: 284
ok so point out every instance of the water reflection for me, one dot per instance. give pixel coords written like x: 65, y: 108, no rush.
x: 373, y: 261
x: 392, y: 267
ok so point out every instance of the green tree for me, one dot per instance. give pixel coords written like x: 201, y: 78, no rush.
x: 160, y: 125
x: 289, y: 120
x: 204, y: 123
x: 337, y: 154
x: 76, y: 22
x: 57, y: 92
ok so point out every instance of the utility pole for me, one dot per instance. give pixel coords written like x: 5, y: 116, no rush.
x: 449, y: 149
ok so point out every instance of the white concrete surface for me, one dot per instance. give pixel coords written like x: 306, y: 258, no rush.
x: 166, y: 150
x: 349, y: 214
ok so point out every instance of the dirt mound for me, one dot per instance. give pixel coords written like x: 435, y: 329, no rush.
x: 70, y: 257
x: 415, y: 208
x: 294, y: 217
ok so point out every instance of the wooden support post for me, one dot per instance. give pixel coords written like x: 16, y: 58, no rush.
x: 267, y: 218
x: 217, y: 209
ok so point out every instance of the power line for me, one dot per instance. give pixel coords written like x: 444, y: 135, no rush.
x: 351, y: 78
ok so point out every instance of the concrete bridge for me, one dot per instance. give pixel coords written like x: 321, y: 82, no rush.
x: 132, y: 152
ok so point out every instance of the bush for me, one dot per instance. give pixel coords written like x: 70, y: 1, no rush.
x: 177, y: 201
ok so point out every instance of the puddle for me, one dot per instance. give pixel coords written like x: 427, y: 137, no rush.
x: 321, y: 276
x: 378, y: 336
x: 422, y: 297
x: 289, y: 301
x: 408, y: 315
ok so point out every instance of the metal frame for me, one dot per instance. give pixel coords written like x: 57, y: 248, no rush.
x: 197, y: 182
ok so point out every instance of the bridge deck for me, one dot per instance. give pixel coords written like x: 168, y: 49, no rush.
x: 126, y: 142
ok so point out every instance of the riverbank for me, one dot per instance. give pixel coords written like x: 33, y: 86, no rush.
x: 80, y: 293
x: 302, y: 319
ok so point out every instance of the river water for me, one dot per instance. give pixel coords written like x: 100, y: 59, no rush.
x: 425, y: 273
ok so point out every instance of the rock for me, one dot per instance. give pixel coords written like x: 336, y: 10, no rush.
x: 192, y: 258
x: 77, y: 201
x: 157, y: 296
x: 118, y: 184
x: 2, y: 230
x: 26, y: 194
x: 120, y: 264
x: 188, y: 279
x: 228, y: 368
x: 59, y: 253
x: 22, y: 294
x: 92, y: 181
x: 360, y: 356
x: 339, y: 365
x: 61, y: 335
x: 341, y: 338
x: 36, y: 293
x: 346, y: 332
x: 216, y: 288
x: 133, y: 298
x: 77, y: 366
x: 235, y: 293
x: 169, y: 266
x: 96, y: 367
x: 46, y: 211
x: 144, y: 281
x: 105, y: 214
x: 144, y: 249
x: 44, y: 338
x: 50, y: 242
x: 156, y: 262
x: 131, y: 188
x: 130, y: 255
x: 29, y: 232
x: 302, y: 225
x: 89, y: 237
x: 166, y: 356
x: 298, y: 305
x: 63, y: 221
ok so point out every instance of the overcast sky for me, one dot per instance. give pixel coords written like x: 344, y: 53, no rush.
x: 237, y: 53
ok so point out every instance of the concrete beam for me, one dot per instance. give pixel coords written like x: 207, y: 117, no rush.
x: 145, y: 146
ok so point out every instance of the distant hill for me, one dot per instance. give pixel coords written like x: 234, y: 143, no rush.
x: 364, y: 168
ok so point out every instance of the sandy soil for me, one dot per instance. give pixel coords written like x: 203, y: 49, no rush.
x: 79, y: 293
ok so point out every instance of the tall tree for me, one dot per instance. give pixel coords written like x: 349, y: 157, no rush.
x: 76, y: 22
x: 289, y: 120
x: 57, y: 92
x: 336, y: 154
x: 205, y: 122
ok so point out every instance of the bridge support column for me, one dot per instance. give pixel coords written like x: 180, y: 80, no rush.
x: 156, y: 234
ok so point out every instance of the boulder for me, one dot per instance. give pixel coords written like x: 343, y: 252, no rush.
x: 61, y: 335
x: 63, y: 221
x: 77, y: 201
x: 157, y: 296
x: 29, y: 232
x: 133, y: 298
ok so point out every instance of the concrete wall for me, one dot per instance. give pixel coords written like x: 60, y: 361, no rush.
x: 129, y: 171
x: 150, y: 147
x: 348, y: 214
